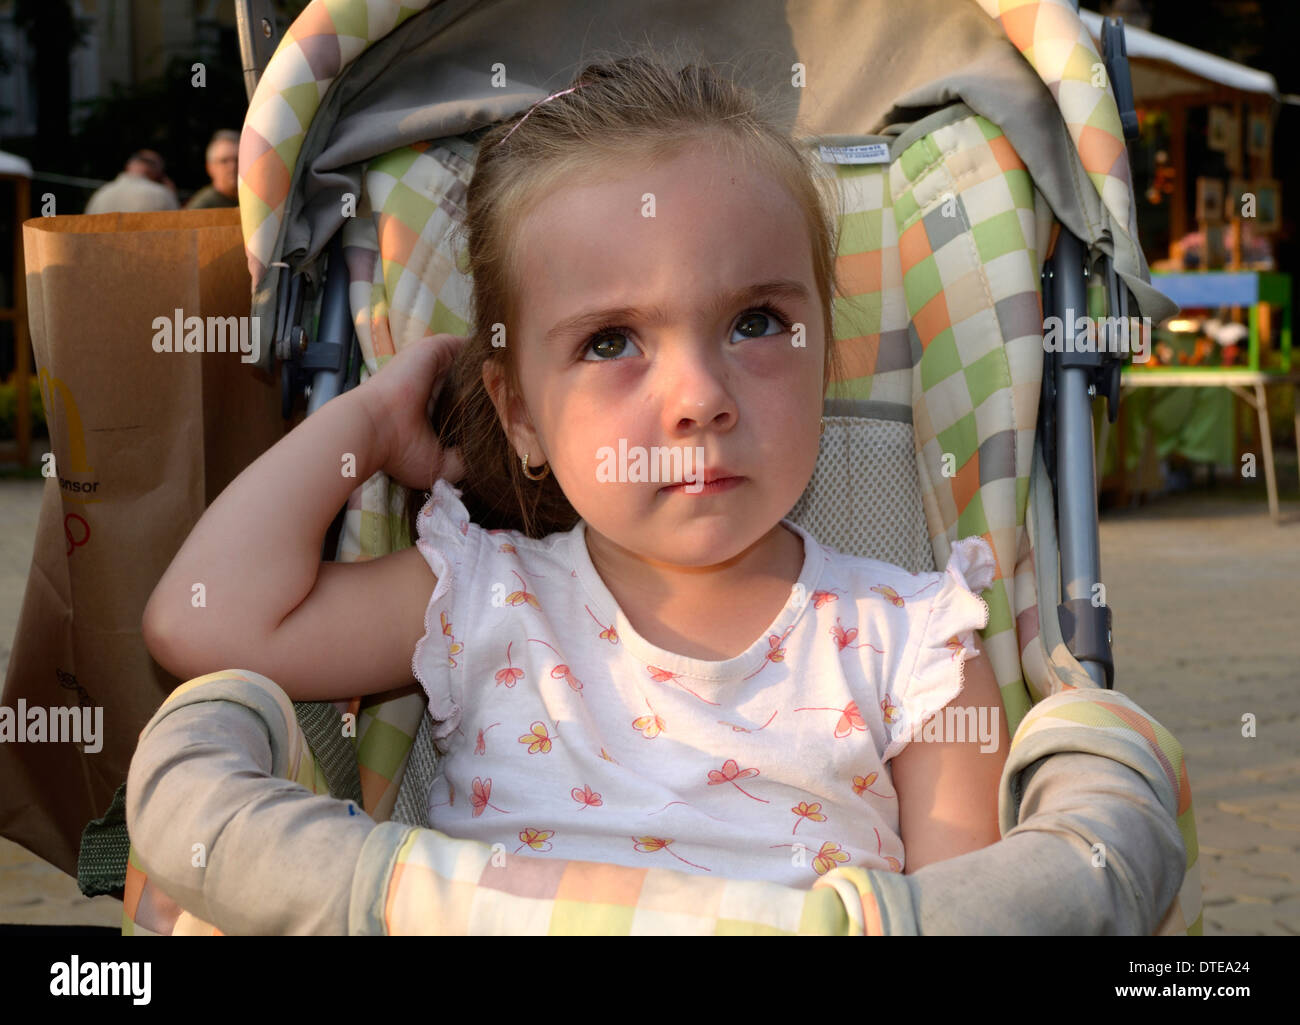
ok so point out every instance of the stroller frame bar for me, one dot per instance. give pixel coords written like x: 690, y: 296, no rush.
x: 259, y: 35
x: 1085, y: 623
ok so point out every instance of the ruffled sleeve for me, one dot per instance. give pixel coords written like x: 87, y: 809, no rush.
x: 449, y: 543
x: 942, y: 633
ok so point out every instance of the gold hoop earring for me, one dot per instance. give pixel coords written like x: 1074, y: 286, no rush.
x: 823, y: 430
x: 524, y: 463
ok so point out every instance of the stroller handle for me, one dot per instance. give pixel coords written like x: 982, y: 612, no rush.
x: 259, y: 35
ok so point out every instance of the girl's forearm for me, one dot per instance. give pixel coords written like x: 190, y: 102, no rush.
x: 255, y: 554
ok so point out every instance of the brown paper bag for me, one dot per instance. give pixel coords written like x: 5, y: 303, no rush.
x: 143, y: 441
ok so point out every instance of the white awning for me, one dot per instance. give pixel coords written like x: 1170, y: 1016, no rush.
x: 11, y: 163
x: 1160, y: 67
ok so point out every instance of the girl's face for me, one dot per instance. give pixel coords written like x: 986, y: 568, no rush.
x: 660, y: 312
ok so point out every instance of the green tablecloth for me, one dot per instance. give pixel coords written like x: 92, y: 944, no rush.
x: 1195, y: 423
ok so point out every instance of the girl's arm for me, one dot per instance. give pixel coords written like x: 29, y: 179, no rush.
x: 948, y: 791
x: 248, y: 588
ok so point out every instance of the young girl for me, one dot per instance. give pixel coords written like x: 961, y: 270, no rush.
x: 646, y: 660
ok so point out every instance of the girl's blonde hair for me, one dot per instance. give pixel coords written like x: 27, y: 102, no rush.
x: 632, y: 110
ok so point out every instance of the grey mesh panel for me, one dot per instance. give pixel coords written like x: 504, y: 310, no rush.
x: 865, y: 496
x: 864, y: 499
x: 412, y: 805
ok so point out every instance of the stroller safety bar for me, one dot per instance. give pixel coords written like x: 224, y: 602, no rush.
x: 280, y: 859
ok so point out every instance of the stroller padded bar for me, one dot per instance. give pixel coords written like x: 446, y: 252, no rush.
x: 217, y: 827
x: 1090, y: 841
x: 1095, y: 854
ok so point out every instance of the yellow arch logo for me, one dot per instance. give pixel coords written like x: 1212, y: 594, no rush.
x: 50, y: 385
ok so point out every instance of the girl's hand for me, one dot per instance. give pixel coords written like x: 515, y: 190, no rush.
x: 399, y: 400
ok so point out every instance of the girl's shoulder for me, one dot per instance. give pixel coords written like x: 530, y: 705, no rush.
x: 970, y: 568
x: 495, y: 566
x: 444, y: 518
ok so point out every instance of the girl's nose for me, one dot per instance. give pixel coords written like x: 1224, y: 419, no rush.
x: 696, y: 394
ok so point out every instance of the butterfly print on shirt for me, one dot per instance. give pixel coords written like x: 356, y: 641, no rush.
x: 804, y: 810
x: 731, y: 771
x: 775, y: 652
x: 894, y: 598
x: 743, y: 729
x: 830, y: 855
x: 522, y: 596
x: 649, y: 726
x: 894, y: 864
x: 844, y: 638
x: 850, y: 718
x: 481, y: 746
x: 537, y: 839
x: 607, y: 633
x: 650, y: 844
x: 862, y: 784
x: 561, y: 671
x: 482, y: 790
x: 454, y: 647
x: 537, y: 739
x: 664, y: 676
x: 511, y: 674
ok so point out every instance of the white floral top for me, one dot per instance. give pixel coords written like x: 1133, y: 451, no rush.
x: 564, y: 734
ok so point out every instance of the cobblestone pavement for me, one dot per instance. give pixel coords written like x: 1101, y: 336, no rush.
x: 1207, y: 630
x: 1203, y: 591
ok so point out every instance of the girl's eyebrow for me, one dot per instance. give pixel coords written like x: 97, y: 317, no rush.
x: 778, y: 288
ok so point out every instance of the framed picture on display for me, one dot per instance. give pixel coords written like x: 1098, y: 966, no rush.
x: 1209, y: 200
x: 1259, y: 134
x: 1223, y: 131
x: 1268, y: 205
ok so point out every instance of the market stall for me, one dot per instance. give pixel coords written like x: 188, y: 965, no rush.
x: 1209, y: 210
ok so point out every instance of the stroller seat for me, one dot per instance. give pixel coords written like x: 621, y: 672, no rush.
x: 932, y: 433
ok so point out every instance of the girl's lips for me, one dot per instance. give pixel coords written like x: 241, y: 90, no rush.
x: 712, y: 488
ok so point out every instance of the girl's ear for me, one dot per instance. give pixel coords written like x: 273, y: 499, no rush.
x: 511, y: 413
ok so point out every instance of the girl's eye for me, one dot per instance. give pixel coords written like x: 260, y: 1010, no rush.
x: 760, y: 322
x: 608, y: 344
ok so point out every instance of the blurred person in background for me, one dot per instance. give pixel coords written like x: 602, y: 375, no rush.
x: 141, y: 187
x: 223, y: 167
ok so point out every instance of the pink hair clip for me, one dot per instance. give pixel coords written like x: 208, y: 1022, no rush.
x: 562, y: 92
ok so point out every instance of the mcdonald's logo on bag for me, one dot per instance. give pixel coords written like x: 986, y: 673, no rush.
x: 76, y: 476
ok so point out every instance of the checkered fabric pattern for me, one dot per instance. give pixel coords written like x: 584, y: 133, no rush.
x: 439, y: 885
x: 1056, y: 43
x: 939, y: 259
x: 323, y: 40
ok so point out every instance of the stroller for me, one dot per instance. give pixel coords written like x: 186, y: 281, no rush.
x: 976, y: 201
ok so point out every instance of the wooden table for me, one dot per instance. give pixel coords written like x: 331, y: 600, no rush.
x: 1254, y: 290
x: 1238, y: 381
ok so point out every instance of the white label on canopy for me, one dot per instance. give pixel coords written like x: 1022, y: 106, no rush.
x: 866, y: 153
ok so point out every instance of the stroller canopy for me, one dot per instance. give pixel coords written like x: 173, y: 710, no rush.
x: 353, y: 81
